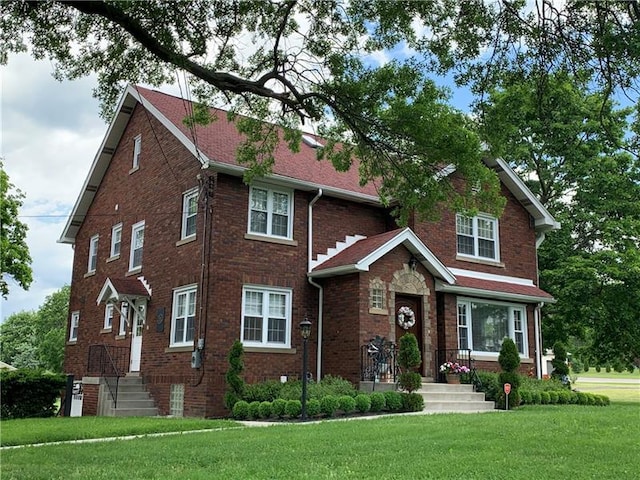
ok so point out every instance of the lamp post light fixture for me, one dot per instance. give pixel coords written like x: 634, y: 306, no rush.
x: 305, y: 330
x: 413, y: 263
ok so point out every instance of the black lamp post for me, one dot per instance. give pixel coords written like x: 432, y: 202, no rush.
x: 305, y: 330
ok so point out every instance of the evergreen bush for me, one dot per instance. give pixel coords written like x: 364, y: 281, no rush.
x: 545, y: 398
x: 559, y: 364
x: 265, y: 410
x: 410, y: 381
x: 553, y: 397
x: 254, y: 409
x: 240, y: 410
x: 235, y: 383
x: 363, y: 403
x: 393, y: 400
x: 266, y: 391
x: 27, y: 393
x: 329, y: 405
x: 278, y: 407
x: 536, y: 398
x: 564, y: 397
x: 347, y: 404
x: 293, y: 408
x: 313, y: 407
x: 412, y: 402
x: 378, y: 402
x: 409, y: 358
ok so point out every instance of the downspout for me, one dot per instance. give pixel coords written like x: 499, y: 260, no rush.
x: 318, y: 286
x: 537, y: 332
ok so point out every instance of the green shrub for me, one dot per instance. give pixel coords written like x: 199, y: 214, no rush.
x: 240, y: 410
x: 489, y: 385
x: 409, y: 356
x: 235, y: 383
x: 29, y: 393
x: 265, y: 409
x: 412, y: 402
x: 363, y: 403
x: 564, y: 397
x: 278, y: 406
x: 525, y: 397
x: 553, y: 397
x: 410, y: 381
x: 266, y: 391
x: 559, y: 364
x: 509, y: 358
x: 293, y: 408
x: 329, y: 405
x: 254, y: 409
x: 536, y: 398
x: 582, y: 398
x: 393, y: 400
x: 378, y: 402
x: 313, y: 407
x: 573, y: 397
x: 591, y: 399
x: 576, y: 365
x: 347, y: 404
x: 545, y: 398
x: 332, y: 385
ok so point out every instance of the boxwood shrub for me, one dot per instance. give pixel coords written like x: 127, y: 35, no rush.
x: 363, y: 403
x: 378, y: 402
x: 347, y: 404
x: 240, y: 410
x: 265, y: 409
x: 329, y: 405
x: 254, y: 409
x: 278, y: 407
x: 293, y: 408
x: 393, y: 400
x: 412, y: 402
x: 313, y: 407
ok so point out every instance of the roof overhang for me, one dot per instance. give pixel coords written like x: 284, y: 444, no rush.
x: 409, y: 240
x: 123, y: 290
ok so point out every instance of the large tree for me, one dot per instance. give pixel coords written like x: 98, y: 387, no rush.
x: 15, y: 258
x: 308, y: 61
x: 36, y: 339
x: 579, y: 167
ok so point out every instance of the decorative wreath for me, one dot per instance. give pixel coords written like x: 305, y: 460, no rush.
x: 406, y: 318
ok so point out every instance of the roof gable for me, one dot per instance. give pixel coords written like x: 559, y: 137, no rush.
x: 362, y: 254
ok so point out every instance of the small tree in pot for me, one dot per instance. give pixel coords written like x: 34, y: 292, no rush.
x: 409, y: 358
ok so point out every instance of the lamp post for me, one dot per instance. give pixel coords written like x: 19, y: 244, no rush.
x: 305, y: 330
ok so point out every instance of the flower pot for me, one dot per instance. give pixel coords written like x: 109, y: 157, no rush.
x: 453, y: 378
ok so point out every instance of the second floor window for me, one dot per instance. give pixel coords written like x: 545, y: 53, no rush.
x: 116, y: 240
x: 270, y: 212
x: 477, y: 237
x: 74, y: 325
x: 137, y: 149
x: 137, y: 242
x: 189, y: 213
x: 93, y: 254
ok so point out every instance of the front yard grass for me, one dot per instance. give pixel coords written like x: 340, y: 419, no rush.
x: 534, y: 442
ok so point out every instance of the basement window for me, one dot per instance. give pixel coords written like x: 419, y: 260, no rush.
x: 176, y: 400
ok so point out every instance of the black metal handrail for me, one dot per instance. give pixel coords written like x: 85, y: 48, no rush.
x: 454, y: 355
x: 378, y: 361
x: 109, y: 362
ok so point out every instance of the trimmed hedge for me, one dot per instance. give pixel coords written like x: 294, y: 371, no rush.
x: 27, y: 393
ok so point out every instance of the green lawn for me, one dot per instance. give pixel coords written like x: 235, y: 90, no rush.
x: 537, y: 442
x: 612, y: 374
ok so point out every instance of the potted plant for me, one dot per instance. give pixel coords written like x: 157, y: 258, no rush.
x: 452, y: 371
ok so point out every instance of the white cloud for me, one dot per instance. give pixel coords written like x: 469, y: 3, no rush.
x: 50, y: 134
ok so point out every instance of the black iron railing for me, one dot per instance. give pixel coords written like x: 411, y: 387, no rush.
x: 378, y: 361
x: 109, y: 362
x: 454, y: 355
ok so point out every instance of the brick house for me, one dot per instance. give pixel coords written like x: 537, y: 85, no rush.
x: 175, y: 258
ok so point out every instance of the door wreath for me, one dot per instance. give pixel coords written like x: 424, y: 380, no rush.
x: 406, y: 318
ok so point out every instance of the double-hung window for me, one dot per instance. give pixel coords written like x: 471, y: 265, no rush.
x: 266, y: 317
x: 482, y: 326
x: 137, y: 242
x: 93, y: 254
x: 183, y: 317
x: 270, y: 212
x: 124, y: 318
x: 73, y: 326
x: 478, y: 237
x: 189, y: 213
x: 116, y: 240
x: 108, y: 316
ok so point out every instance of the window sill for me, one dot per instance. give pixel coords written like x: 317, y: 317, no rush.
x: 111, y: 259
x: 184, y: 348
x: 121, y: 337
x: 89, y: 274
x: 264, y: 238
x: 184, y: 241
x: 134, y: 169
x: 72, y: 342
x: 379, y: 311
x: 269, y: 350
x: 481, y: 261
x: 106, y: 330
x: 493, y: 357
x: 135, y: 271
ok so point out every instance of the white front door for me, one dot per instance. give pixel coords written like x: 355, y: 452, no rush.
x: 136, y: 339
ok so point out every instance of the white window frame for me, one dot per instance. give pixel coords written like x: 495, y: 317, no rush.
x: 266, y: 291
x: 92, y: 262
x: 124, y: 319
x: 186, y: 291
x: 465, y: 321
x: 134, y: 229
x: 270, y: 212
x: 137, y: 149
x: 108, y: 316
x: 74, y: 326
x: 187, y: 197
x: 116, y: 241
x: 475, y: 235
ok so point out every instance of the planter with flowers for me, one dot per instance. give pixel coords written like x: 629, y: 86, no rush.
x: 453, y: 370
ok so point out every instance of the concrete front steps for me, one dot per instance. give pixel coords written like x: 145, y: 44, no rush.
x: 452, y: 398
x: 133, y: 399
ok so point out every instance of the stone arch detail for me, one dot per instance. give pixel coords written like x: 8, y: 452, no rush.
x: 411, y: 282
